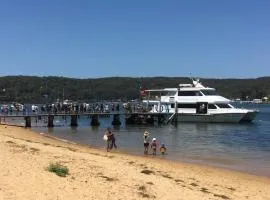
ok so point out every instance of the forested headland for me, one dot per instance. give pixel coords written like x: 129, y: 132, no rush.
x: 32, y: 89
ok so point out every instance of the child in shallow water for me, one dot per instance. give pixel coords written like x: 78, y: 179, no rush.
x: 163, y: 149
x: 154, y: 146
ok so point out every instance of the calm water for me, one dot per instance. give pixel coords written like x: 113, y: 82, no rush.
x: 244, y: 147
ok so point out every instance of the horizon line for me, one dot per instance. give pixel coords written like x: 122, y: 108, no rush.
x: 135, y: 77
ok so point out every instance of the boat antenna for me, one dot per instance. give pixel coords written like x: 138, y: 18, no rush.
x: 195, y: 81
x: 190, y: 76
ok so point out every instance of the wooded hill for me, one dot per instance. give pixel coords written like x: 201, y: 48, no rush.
x: 31, y: 89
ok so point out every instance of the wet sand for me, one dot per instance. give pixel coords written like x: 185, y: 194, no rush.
x: 97, y: 174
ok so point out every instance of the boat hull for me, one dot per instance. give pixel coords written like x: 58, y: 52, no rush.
x: 249, y: 116
x: 211, y: 118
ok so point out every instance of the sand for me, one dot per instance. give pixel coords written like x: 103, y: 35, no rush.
x: 97, y: 174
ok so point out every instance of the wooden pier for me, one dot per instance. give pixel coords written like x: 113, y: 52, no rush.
x: 135, y: 118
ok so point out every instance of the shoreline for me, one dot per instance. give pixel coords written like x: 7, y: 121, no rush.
x: 149, y: 156
x: 159, y: 158
x: 126, y: 174
x: 209, y: 161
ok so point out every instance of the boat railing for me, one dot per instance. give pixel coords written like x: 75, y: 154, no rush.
x: 152, y: 97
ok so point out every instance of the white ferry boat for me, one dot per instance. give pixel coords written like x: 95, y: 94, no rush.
x: 196, y: 103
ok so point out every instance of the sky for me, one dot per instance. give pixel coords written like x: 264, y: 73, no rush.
x: 137, y: 38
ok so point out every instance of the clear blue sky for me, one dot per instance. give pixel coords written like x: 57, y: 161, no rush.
x: 84, y: 38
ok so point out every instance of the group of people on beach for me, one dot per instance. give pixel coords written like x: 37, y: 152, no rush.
x: 110, y: 142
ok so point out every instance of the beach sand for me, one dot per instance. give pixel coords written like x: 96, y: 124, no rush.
x: 97, y: 174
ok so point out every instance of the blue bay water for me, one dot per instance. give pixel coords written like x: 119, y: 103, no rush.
x: 244, y: 147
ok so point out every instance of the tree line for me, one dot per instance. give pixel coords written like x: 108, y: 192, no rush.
x: 33, y: 89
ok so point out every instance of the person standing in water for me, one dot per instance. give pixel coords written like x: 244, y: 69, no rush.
x: 163, y: 149
x: 113, y: 144
x: 111, y: 138
x: 146, y: 141
x: 154, y: 146
x: 108, y: 138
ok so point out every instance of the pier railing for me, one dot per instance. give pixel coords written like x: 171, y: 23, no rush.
x: 130, y: 117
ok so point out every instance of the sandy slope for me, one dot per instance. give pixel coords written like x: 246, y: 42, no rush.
x: 96, y: 174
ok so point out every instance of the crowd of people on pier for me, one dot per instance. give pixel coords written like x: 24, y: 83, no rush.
x: 59, y: 108
x: 12, y: 108
x: 110, y: 140
x: 81, y: 108
x: 69, y: 107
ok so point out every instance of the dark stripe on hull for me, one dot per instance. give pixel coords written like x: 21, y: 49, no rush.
x: 220, y: 118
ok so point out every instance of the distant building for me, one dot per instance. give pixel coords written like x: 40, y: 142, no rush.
x: 265, y: 99
x: 257, y: 101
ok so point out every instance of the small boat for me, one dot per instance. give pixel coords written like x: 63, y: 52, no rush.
x: 195, y: 103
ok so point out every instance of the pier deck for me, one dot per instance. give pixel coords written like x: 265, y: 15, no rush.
x: 130, y: 117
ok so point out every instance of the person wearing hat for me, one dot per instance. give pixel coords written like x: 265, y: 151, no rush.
x: 154, y: 146
x: 146, y: 141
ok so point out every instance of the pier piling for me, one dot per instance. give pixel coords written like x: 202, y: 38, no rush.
x: 50, y: 121
x: 94, y: 121
x: 74, y: 120
x: 27, y: 122
x: 160, y: 119
x: 116, y: 120
x: 150, y: 119
x: 175, y: 117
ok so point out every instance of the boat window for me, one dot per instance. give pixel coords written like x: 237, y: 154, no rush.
x: 209, y: 92
x: 201, y: 108
x: 172, y: 105
x: 168, y: 93
x: 231, y: 105
x: 171, y: 93
x: 189, y: 93
x: 187, y: 105
x: 211, y: 106
x: 223, y: 105
x: 171, y: 100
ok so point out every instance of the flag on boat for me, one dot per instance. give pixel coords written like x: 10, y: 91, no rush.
x: 143, y: 92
